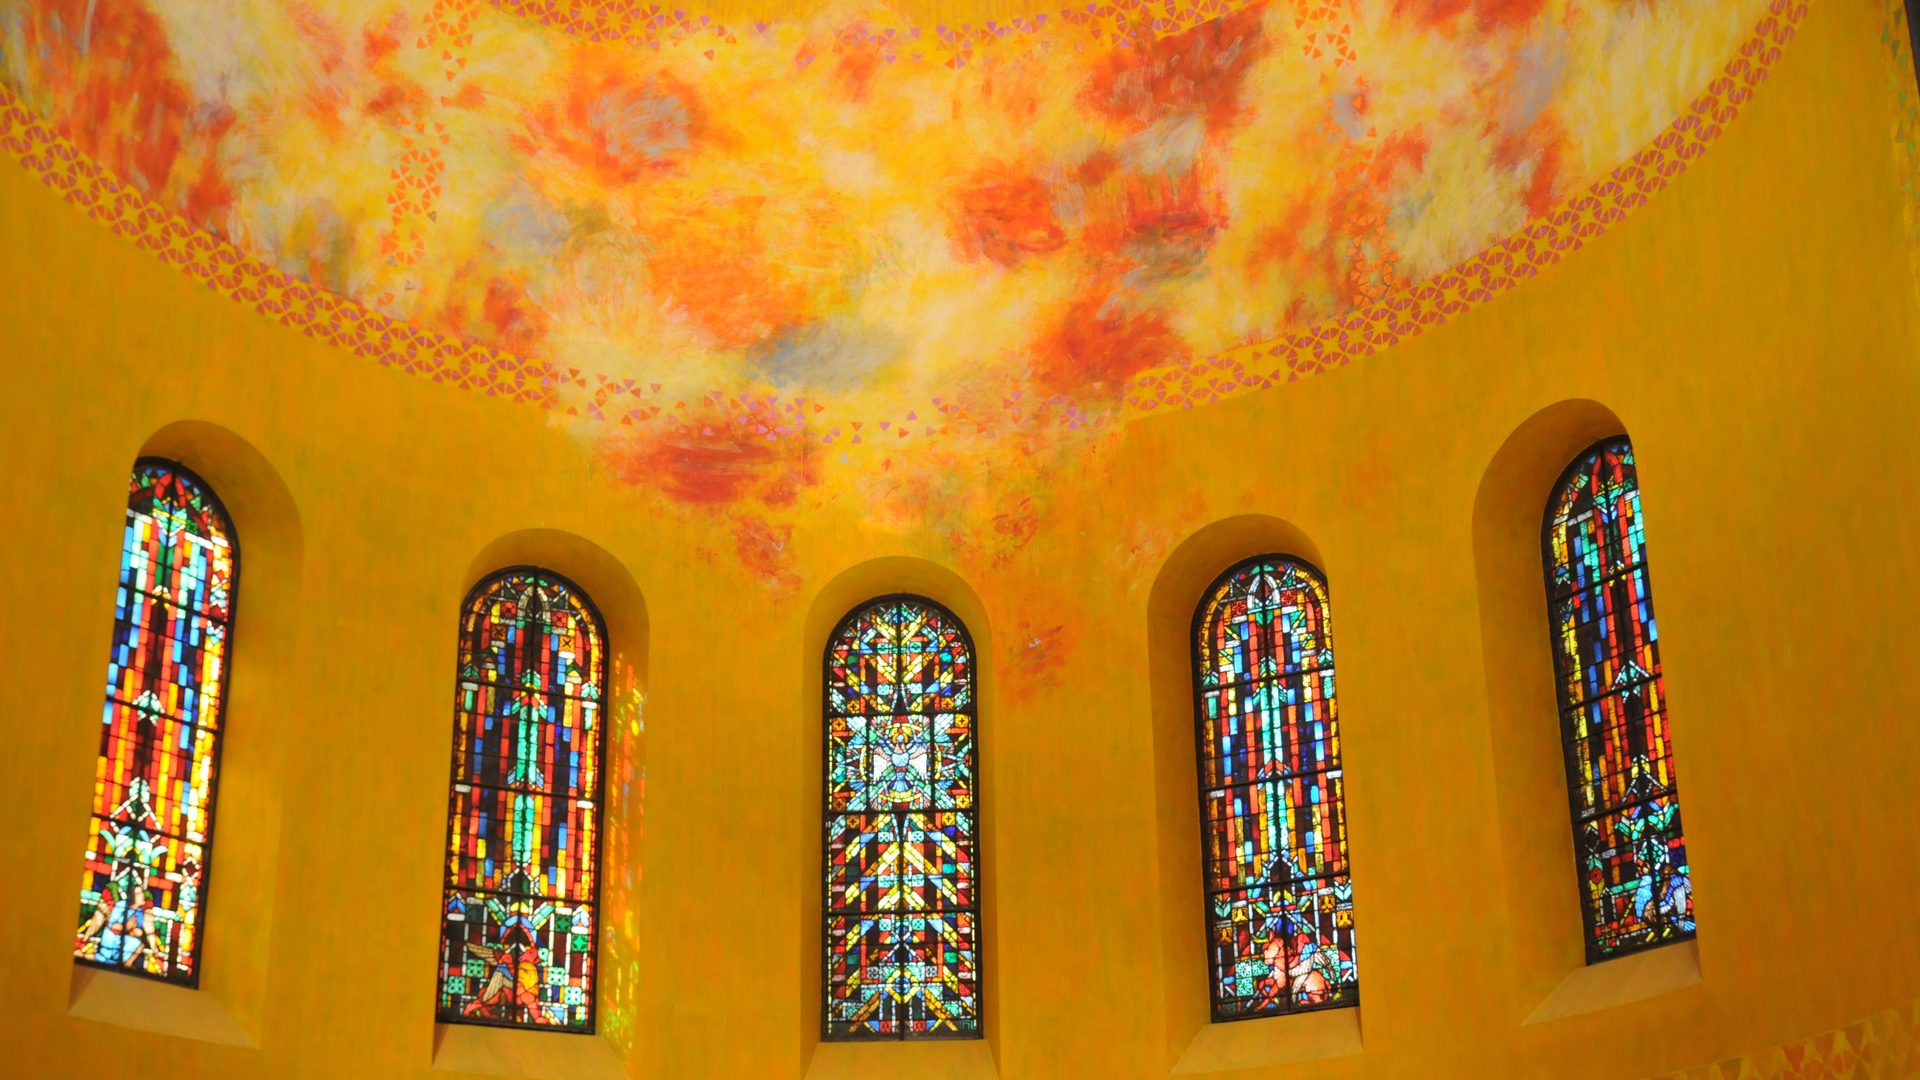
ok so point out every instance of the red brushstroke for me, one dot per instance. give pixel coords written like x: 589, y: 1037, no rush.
x: 1543, y: 146
x: 716, y: 455
x: 714, y: 262
x: 860, y: 56
x: 1402, y: 150
x: 379, y: 41
x: 210, y: 196
x: 762, y: 548
x: 1099, y: 341
x: 1003, y: 215
x: 116, y: 90
x: 619, y: 128
x: 1199, y: 70
x: 397, y: 100
x: 518, y: 324
x: 1487, y: 14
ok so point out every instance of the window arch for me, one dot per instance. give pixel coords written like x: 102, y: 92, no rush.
x: 149, y: 848
x: 1273, y: 820
x: 1635, y: 886
x: 901, y: 912
x: 519, y: 917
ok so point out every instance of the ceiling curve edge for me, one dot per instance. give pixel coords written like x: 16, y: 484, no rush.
x: 1399, y: 313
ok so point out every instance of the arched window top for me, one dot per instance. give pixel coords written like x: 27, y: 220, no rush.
x: 901, y: 911
x: 1279, y: 898
x: 1630, y: 851
x: 150, y: 845
x: 519, y: 914
x: 1593, y: 529
x: 1280, y: 593
x: 528, y: 624
x: 179, y: 502
x: 899, y: 654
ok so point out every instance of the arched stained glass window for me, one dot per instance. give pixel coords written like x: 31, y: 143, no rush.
x: 144, y: 882
x: 519, y: 917
x: 1635, y: 888
x: 1273, y: 822
x: 902, y: 909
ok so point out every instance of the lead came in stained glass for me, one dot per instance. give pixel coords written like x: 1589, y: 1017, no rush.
x: 1279, y: 901
x: 143, y: 885
x: 517, y: 932
x: 1635, y: 886
x: 902, y: 913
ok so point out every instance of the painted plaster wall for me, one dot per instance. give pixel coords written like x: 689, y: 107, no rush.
x: 1752, y: 328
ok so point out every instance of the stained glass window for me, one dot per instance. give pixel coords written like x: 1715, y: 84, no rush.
x: 519, y: 913
x: 1635, y: 887
x: 1279, y: 901
x: 902, y: 910
x: 144, y: 882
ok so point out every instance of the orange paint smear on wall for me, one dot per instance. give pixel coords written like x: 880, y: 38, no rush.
x: 1004, y: 214
x: 114, y: 77
x: 620, y: 126
x: 1539, y: 148
x: 860, y: 57
x: 1099, y: 338
x: 1487, y: 14
x: 1167, y: 224
x: 518, y: 325
x: 710, y: 455
x: 762, y: 549
x: 715, y: 264
x: 1201, y: 70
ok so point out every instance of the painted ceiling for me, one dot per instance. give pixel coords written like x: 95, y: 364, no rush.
x: 760, y: 245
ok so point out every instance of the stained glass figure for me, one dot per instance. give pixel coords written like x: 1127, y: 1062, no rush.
x: 1273, y: 821
x: 902, y: 909
x: 518, y: 916
x: 143, y: 885
x: 1635, y: 887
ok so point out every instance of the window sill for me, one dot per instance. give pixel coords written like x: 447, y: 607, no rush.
x: 941, y: 1059
x: 130, y: 1001
x: 541, y: 1055
x: 1620, y: 982
x: 1279, y: 1040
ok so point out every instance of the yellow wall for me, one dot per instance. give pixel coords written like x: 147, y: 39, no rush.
x: 1752, y: 328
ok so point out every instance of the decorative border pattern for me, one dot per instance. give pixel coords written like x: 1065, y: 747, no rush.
x: 1884, y: 1044
x: 652, y: 25
x: 1403, y: 313
x: 415, y: 195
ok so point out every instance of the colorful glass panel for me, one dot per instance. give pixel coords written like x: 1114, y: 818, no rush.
x: 1635, y: 886
x: 143, y: 885
x: 1279, y: 901
x: 902, y: 910
x: 518, y: 919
